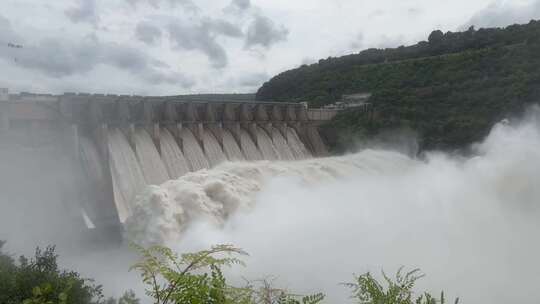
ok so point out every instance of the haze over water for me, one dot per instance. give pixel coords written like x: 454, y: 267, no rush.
x: 470, y: 223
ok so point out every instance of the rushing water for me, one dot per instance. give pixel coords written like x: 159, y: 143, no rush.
x: 215, y: 194
x: 213, y: 149
x: 127, y: 176
x: 149, y: 159
x: 469, y: 223
x: 133, y: 169
x: 281, y: 145
x: 172, y: 156
x: 193, y: 151
x: 231, y: 148
x: 298, y: 148
x: 91, y: 160
x: 248, y: 147
x: 266, y: 145
x: 316, y: 140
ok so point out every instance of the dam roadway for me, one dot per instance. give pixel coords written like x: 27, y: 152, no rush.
x: 105, y: 148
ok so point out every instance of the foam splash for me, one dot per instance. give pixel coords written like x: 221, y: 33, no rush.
x: 469, y: 223
x: 164, y: 213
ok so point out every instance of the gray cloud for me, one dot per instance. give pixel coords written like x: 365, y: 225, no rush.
x: 188, y: 5
x: 60, y: 57
x: 499, y: 14
x: 171, y: 78
x: 7, y: 35
x: 358, y: 42
x: 147, y: 33
x: 264, y: 32
x: 414, y: 11
x: 237, y: 7
x: 85, y: 11
x: 377, y: 13
x: 253, y: 80
x: 308, y: 61
x: 223, y: 27
x: 241, y: 4
x: 202, y: 37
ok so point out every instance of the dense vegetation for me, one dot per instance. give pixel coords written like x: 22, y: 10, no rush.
x: 449, y: 89
x: 39, y: 281
x: 194, y: 278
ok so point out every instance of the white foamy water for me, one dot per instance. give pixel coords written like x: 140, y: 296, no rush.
x: 213, y: 149
x: 164, y: 212
x: 192, y: 151
x: 127, y: 176
x: 231, y: 148
x: 172, y: 156
x: 248, y: 147
x: 265, y: 144
x: 469, y: 223
x: 149, y: 159
x: 281, y: 145
x: 297, y: 147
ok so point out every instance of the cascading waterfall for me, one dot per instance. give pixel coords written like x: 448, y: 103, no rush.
x: 297, y: 146
x: 149, y: 159
x: 231, y: 148
x: 213, y: 149
x: 95, y: 177
x: 165, y: 212
x: 133, y: 169
x: 249, y: 148
x: 91, y: 160
x: 282, y: 148
x: 316, y: 140
x: 265, y: 144
x: 127, y: 175
x: 468, y: 222
x: 193, y: 151
x: 172, y: 156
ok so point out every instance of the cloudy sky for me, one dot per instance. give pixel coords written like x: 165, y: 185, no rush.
x: 164, y: 47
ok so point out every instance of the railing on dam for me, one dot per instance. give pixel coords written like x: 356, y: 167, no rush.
x: 321, y: 114
x: 71, y: 106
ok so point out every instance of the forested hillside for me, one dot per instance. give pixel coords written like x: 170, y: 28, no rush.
x: 449, y: 89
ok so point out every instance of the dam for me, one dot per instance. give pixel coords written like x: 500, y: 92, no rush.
x: 92, y: 154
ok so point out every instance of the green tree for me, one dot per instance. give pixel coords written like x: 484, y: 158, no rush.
x: 175, y: 279
x: 40, y: 281
x: 196, y: 278
x: 450, y: 90
x: 436, y: 37
x: 367, y: 290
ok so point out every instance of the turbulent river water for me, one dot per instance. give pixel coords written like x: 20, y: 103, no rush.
x: 470, y: 223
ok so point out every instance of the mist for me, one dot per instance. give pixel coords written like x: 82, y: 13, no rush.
x: 469, y: 223
x: 40, y: 206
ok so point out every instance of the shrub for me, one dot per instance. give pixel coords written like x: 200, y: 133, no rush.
x: 367, y: 290
x: 196, y: 278
x: 39, y: 280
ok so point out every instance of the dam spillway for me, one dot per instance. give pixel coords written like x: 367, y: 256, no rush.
x: 113, y: 146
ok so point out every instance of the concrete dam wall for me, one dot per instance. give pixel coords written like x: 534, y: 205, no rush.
x: 94, y: 153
